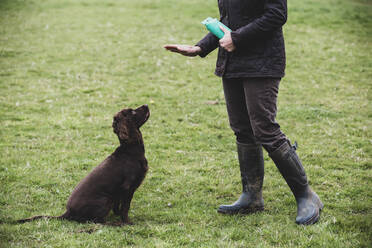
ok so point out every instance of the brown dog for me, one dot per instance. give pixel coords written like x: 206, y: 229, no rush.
x: 111, y: 184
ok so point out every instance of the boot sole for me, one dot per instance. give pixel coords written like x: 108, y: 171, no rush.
x: 314, y: 219
x: 241, y: 211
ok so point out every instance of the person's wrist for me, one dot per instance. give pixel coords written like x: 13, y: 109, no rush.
x: 198, y: 50
x: 235, y: 38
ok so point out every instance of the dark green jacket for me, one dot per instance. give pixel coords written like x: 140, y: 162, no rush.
x: 257, y: 35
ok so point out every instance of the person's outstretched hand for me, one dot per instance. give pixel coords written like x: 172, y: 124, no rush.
x: 226, y: 42
x: 185, y: 50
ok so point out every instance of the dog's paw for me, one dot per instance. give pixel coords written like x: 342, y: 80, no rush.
x: 116, y: 223
x: 128, y: 222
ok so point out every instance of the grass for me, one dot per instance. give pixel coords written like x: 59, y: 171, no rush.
x: 67, y: 66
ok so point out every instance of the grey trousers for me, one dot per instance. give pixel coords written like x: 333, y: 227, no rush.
x: 251, y: 107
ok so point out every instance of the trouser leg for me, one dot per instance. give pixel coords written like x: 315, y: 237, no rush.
x: 261, y: 101
x: 256, y: 120
x: 251, y: 107
x: 237, y: 111
x: 249, y: 153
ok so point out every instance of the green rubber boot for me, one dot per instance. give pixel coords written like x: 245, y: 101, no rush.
x: 252, y: 174
x: 289, y: 165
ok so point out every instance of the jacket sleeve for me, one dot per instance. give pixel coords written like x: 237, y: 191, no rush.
x: 274, y: 17
x: 208, y: 44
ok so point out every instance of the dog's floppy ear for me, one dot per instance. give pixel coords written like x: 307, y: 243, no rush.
x: 126, y: 131
x: 121, y: 131
x: 120, y: 128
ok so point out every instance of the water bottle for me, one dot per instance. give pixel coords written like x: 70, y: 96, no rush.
x: 213, y: 25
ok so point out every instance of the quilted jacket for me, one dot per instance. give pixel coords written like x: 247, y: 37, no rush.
x: 257, y: 35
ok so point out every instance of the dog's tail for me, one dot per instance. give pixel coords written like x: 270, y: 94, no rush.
x: 63, y: 216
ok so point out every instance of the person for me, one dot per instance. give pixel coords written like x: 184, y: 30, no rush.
x: 251, y: 61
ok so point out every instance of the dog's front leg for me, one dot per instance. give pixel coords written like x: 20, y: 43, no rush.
x: 125, y: 205
x: 116, y: 208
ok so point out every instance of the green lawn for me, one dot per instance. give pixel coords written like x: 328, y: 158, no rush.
x: 67, y: 66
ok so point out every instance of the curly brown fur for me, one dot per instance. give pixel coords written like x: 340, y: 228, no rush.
x: 111, y: 185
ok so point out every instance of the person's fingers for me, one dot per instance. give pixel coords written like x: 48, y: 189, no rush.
x: 172, y: 48
x: 224, y: 29
x: 222, y: 43
x: 167, y: 46
x: 182, y: 47
x: 186, y: 50
x: 177, y: 49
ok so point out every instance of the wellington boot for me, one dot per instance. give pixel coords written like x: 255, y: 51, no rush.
x: 252, y: 174
x: 289, y: 165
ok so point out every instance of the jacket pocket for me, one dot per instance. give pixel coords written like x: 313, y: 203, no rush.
x: 240, y: 64
x: 253, y: 48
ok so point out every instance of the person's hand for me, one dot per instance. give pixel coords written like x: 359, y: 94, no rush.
x: 226, y: 41
x: 185, y: 50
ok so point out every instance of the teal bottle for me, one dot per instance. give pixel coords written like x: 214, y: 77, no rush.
x: 213, y: 25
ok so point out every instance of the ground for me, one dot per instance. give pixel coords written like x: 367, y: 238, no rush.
x: 67, y: 66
